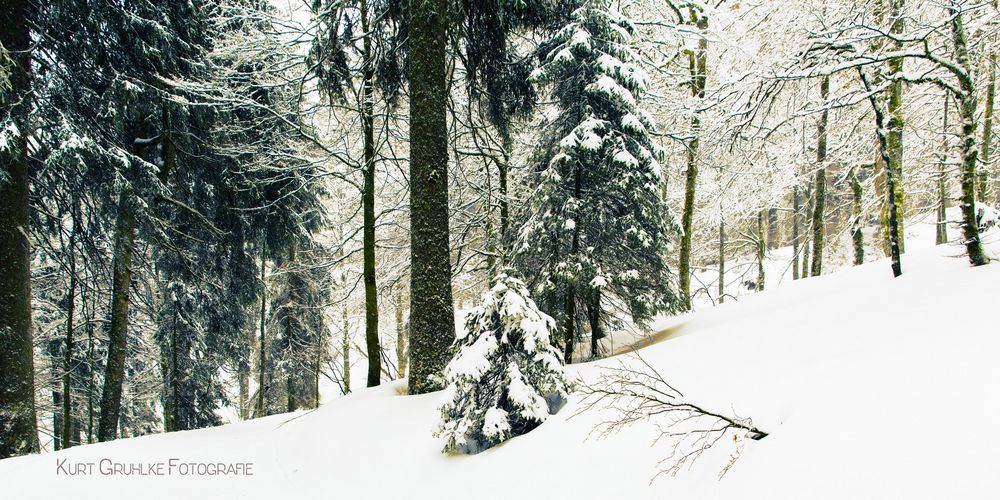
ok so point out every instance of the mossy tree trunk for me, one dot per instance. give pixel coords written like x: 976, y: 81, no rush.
x: 432, y: 315
x: 819, y: 204
x: 697, y: 66
x: 967, y: 104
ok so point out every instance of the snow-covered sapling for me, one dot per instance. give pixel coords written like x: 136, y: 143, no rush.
x: 505, y: 378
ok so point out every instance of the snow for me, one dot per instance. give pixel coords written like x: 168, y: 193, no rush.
x: 608, y: 87
x: 870, y: 387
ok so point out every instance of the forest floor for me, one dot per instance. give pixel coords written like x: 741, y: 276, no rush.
x: 869, y: 387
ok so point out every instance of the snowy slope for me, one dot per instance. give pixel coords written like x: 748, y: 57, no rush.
x: 870, y: 387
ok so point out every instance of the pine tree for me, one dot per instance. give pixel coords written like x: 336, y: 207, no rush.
x: 596, y: 226
x: 505, y: 378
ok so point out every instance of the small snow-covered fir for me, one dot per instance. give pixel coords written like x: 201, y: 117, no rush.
x: 505, y: 378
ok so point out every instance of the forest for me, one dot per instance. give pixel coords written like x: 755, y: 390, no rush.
x: 219, y: 210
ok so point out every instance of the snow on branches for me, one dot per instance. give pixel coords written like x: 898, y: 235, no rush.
x: 505, y: 378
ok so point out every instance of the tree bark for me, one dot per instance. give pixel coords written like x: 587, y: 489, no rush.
x: 984, y: 169
x: 67, y: 389
x: 967, y: 108
x: 796, y: 209
x: 894, y: 127
x: 697, y: 65
x: 432, y: 315
x: 594, y: 317
x: 368, y: 124
x: 401, y: 356
x: 262, y: 340
x: 819, y: 208
x: 722, y: 262
x: 942, y: 187
x: 857, y: 235
x: 890, y: 180
x: 761, y: 249
x: 346, y: 353
x: 18, y: 429
x: 114, y: 372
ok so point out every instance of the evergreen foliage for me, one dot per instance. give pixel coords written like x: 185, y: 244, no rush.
x: 597, y: 226
x: 506, y: 378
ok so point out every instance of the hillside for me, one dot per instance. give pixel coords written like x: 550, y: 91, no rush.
x: 869, y: 387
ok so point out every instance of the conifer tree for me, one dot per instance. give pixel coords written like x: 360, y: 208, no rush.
x: 506, y: 378
x: 597, y: 227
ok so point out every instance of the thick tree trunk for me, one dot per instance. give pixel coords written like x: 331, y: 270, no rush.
x: 432, y: 314
x: 18, y: 433
x: 894, y: 132
x: 967, y: 109
x: 114, y: 371
x: 368, y: 124
x: 819, y: 208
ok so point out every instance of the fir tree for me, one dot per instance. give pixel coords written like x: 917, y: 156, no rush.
x: 597, y: 227
x: 505, y: 378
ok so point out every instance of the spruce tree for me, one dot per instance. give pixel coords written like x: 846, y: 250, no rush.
x: 596, y: 226
x: 506, y: 378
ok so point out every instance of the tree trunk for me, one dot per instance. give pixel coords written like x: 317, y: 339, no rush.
x: 67, y: 389
x: 114, y: 371
x: 796, y: 209
x: 569, y: 331
x: 819, y: 222
x: 368, y: 124
x: 88, y: 312
x: 894, y: 132
x: 984, y: 170
x: 697, y: 65
x: 942, y: 187
x: 56, y: 420
x: 262, y: 341
x: 806, y: 227
x: 346, y: 353
x: 857, y: 235
x: 432, y: 314
x: 722, y: 262
x: 18, y: 430
x: 761, y: 249
x: 401, y: 356
x: 772, y: 228
x: 594, y: 317
x: 890, y: 180
x: 967, y: 109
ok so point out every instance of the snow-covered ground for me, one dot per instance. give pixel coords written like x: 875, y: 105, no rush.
x: 870, y: 387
